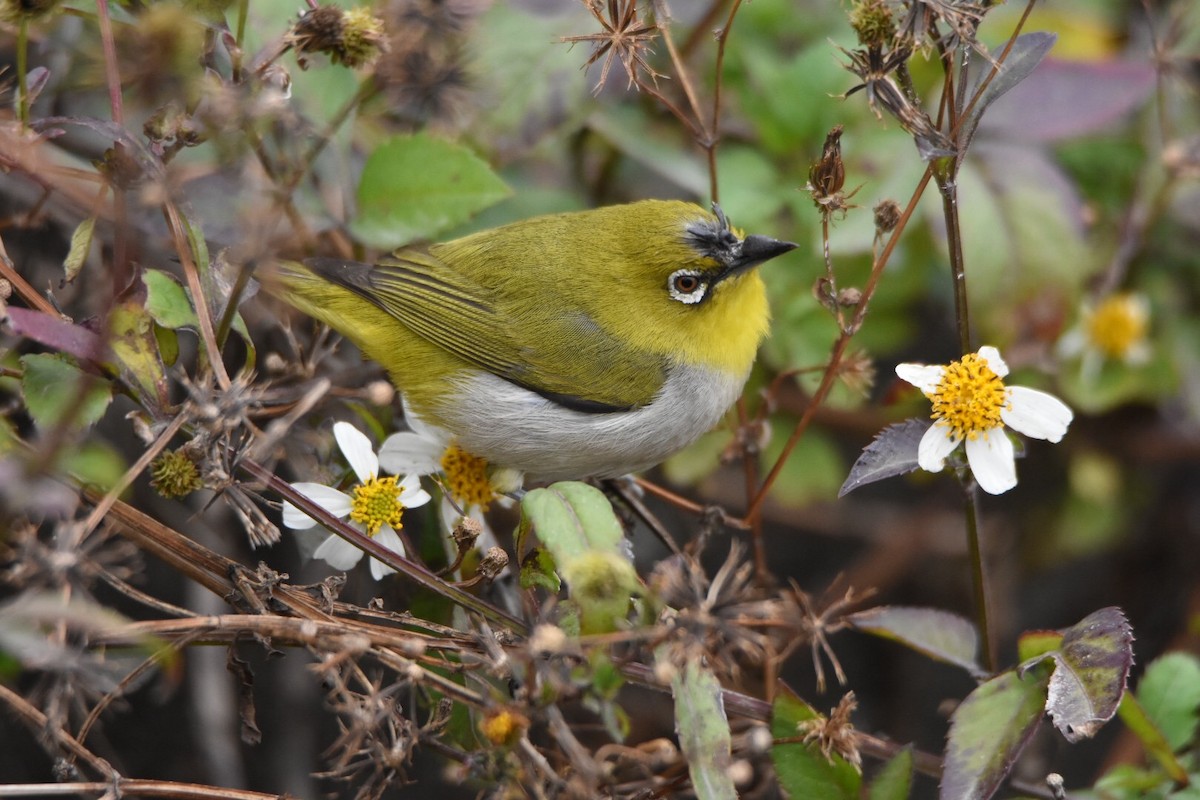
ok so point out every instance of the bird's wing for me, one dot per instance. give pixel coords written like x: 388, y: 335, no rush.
x: 546, y: 347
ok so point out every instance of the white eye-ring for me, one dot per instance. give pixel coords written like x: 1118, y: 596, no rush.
x: 687, y: 286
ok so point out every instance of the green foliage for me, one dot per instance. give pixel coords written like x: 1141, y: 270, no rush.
x: 56, y: 391
x: 414, y: 187
x: 803, y: 770
x: 1170, y: 693
x: 702, y: 728
x: 576, y: 525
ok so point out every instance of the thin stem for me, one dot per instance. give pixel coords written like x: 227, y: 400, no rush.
x: 111, y: 75
x: 978, y: 574
x: 199, y: 298
x: 409, y: 569
x: 22, y: 69
x: 947, y: 182
x: 838, y: 350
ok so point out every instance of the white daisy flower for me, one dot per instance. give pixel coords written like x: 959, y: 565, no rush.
x: 375, y: 506
x: 972, y: 404
x: 1115, y: 329
x: 470, y: 486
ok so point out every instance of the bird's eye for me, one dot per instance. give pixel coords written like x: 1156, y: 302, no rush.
x: 687, y: 286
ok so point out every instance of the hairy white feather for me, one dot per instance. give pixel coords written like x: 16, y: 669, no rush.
x: 520, y: 429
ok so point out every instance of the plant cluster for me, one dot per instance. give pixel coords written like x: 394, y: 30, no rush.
x: 173, y: 443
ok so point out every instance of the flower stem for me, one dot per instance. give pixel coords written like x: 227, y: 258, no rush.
x: 946, y: 175
x: 978, y: 575
x: 22, y: 68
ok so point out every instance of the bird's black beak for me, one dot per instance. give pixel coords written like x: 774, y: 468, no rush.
x: 757, y: 249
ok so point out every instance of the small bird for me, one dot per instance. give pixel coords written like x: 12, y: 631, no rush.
x: 581, y: 345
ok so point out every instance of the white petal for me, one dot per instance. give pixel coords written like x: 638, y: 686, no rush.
x: 356, y: 447
x: 335, y: 502
x: 995, y: 363
x: 338, y: 553
x: 925, y: 377
x: 410, y: 453
x: 487, y: 538
x: 991, y: 458
x: 449, y: 514
x: 1036, y: 414
x: 388, y: 538
x: 411, y: 493
x: 937, y: 443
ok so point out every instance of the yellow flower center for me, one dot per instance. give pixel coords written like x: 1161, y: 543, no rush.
x: 467, y: 477
x: 969, y: 397
x: 377, y: 503
x: 1117, y: 325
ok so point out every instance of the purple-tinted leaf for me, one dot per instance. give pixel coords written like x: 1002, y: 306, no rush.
x: 1026, y: 53
x: 55, y: 332
x: 109, y: 131
x: 938, y: 634
x: 35, y: 80
x: 1090, y: 670
x: 1065, y: 99
x: 894, y: 452
x: 988, y: 731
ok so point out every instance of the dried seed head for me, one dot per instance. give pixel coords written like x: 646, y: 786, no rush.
x: 835, y: 734
x: 465, y: 532
x: 872, y: 21
x: 16, y: 10
x: 493, y: 563
x: 887, y: 215
x: 352, y: 38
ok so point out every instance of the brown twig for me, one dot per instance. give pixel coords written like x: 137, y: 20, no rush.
x: 839, y: 348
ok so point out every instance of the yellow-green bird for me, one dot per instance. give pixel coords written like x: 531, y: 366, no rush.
x: 569, y: 346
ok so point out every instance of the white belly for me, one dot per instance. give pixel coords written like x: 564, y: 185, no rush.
x: 516, y: 428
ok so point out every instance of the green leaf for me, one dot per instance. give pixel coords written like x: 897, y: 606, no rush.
x: 537, y: 569
x: 1142, y: 726
x: 895, y: 779
x: 572, y: 519
x: 414, y: 187
x: 576, y: 524
x: 988, y: 731
x: 168, y: 302
x: 1032, y: 644
x: 1170, y: 694
x: 702, y: 727
x: 1090, y: 672
x: 50, y: 386
x: 81, y: 244
x: 95, y: 463
x: 803, y: 772
x: 938, y: 634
